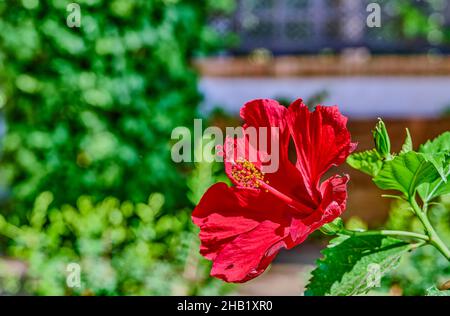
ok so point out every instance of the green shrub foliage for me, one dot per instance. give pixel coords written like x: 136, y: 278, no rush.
x: 90, y: 110
x: 118, y: 248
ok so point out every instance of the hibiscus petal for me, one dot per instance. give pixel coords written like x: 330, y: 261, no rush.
x: 225, y: 212
x: 265, y: 126
x: 250, y: 254
x: 285, y: 178
x: 265, y: 113
x: 321, y: 138
x: 334, y: 198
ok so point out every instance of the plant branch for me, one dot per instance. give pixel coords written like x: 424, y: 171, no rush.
x: 434, y: 238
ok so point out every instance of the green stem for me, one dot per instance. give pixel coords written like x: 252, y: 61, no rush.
x: 393, y: 233
x: 434, y: 238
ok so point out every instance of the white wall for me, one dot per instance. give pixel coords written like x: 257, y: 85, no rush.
x: 356, y: 96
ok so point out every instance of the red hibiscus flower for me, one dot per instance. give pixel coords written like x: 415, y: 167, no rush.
x: 243, y: 227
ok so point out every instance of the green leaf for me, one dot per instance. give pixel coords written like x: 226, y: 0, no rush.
x: 439, y: 144
x: 434, y: 291
x: 407, y: 145
x: 438, y: 161
x: 369, y: 162
x: 430, y: 191
x: 405, y: 173
x: 347, y: 266
x: 437, y: 151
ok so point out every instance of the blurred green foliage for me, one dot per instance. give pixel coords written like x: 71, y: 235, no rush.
x: 422, y: 19
x: 121, y: 248
x: 89, y: 114
x: 425, y: 267
x: 90, y: 110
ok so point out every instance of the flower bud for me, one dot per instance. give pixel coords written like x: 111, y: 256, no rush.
x: 381, y: 139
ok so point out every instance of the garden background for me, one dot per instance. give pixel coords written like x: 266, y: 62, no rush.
x: 87, y: 114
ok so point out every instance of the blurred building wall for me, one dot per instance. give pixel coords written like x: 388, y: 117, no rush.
x: 358, y: 97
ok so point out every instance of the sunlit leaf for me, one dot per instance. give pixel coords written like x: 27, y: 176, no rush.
x: 349, y: 264
x: 369, y: 162
x: 405, y: 173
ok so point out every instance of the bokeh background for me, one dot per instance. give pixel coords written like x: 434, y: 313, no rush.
x: 87, y: 114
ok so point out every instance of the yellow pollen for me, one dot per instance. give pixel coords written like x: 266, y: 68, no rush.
x: 246, y: 174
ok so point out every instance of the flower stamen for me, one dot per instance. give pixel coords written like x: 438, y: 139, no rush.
x: 247, y: 175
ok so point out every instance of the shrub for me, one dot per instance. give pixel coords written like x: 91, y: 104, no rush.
x: 121, y: 248
x: 90, y: 110
x: 89, y: 113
